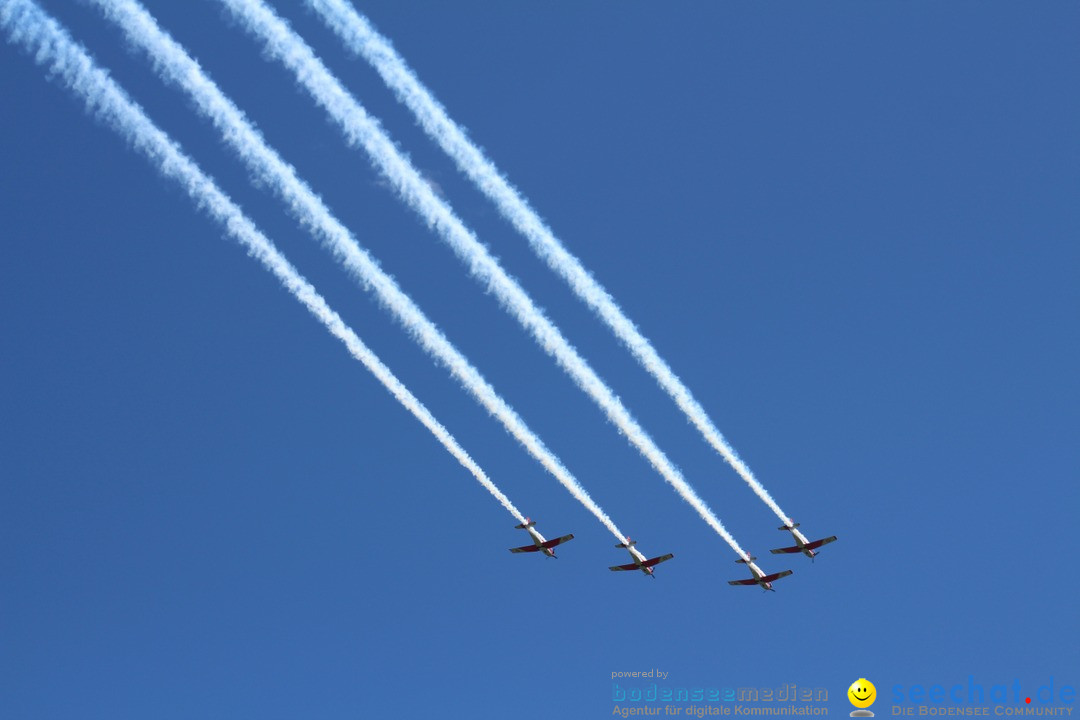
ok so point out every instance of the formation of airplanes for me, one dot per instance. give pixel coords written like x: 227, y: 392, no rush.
x: 758, y: 577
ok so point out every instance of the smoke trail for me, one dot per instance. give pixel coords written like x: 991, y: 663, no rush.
x: 360, y: 37
x: 53, y: 48
x: 282, y: 43
x: 174, y: 65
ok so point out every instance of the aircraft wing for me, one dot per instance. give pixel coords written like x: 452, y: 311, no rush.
x: 657, y: 560
x: 751, y: 581
x: 795, y: 549
x: 557, y: 541
x: 525, y: 548
x: 818, y: 543
x: 776, y: 576
x: 631, y: 566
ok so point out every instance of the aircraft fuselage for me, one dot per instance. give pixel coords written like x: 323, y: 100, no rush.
x: 638, y: 558
x: 802, y: 542
x: 758, y: 574
x: 539, y: 540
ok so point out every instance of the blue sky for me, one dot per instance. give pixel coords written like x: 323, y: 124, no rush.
x: 852, y: 230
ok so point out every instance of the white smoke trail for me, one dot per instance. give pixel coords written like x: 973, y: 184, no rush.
x: 360, y: 37
x: 360, y: 129
x: 53, y: 48
x: 175, y: 66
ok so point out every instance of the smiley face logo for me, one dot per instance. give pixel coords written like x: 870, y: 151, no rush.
x: 862, y: 693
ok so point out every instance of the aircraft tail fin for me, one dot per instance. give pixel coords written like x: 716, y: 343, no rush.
x: 527, y: 524
x: 746, y: 561
x: 792, y: 526
x: 628, y: 544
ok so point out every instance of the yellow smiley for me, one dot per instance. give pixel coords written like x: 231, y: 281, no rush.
x: 862, y: 693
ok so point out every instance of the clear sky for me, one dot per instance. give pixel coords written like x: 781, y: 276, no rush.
x: 851, y: 228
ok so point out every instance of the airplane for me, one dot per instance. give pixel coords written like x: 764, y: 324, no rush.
x: 759, y: 576
x: 539, y: 543
x: 640, y: 562
x: 802, y: 545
